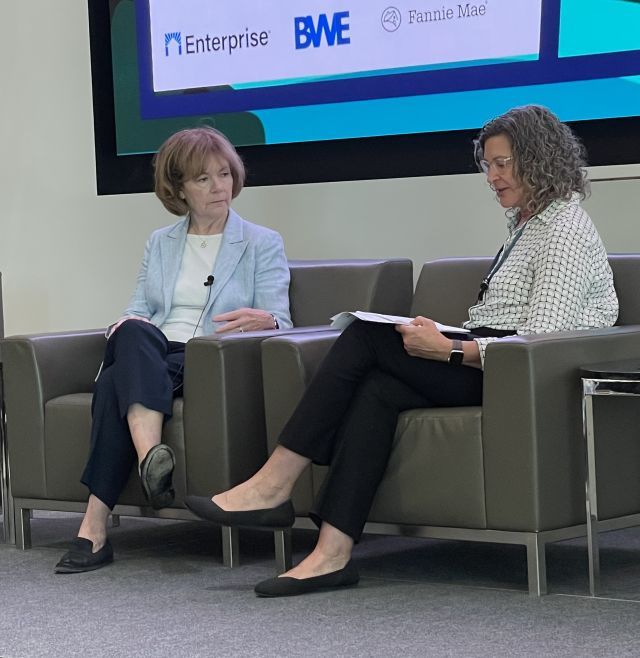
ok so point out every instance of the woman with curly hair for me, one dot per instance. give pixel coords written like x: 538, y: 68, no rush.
x: 551, y: 274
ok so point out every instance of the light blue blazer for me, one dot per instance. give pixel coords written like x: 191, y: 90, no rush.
x: 251, y: 271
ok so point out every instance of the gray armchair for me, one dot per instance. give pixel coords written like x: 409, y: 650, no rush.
x: 217, y: 430
x: 510, y: 471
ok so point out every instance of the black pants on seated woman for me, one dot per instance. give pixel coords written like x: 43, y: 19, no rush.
x: 348, y: 417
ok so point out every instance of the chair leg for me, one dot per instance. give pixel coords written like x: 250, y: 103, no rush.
x: 282, y: 539
x: 6, y: 499
x: 8, y: 514
x: 230, y: 547
x: 23, y: 528
x: 536, y: 566
x: 591, y: 490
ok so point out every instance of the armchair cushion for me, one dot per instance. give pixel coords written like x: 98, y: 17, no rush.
x: 436, y: 472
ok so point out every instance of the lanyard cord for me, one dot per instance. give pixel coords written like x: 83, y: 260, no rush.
x: 498, y: 261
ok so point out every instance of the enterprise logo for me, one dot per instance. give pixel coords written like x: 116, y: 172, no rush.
x: 229, y: 43
x: 168, y: 38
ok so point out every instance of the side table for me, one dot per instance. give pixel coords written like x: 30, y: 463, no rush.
x: 612, y: 378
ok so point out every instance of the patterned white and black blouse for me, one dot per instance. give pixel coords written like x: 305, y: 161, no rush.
x: 556, y: 277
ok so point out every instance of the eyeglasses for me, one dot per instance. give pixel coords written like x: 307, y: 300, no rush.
x: 500, y: 164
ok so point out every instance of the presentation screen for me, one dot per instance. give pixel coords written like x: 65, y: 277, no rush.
x: 344, y: 89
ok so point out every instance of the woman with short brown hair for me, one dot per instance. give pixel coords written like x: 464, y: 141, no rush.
x: 210, y: 272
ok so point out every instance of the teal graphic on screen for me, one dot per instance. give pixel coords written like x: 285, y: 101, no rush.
x: 590, y: 27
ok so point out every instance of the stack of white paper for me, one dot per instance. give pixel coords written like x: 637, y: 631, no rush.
x: 344, y: 319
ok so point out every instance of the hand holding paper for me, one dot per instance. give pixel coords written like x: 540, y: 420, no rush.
x: 423, y: 339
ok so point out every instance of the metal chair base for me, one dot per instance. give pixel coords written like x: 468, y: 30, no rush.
x: 535, y: 542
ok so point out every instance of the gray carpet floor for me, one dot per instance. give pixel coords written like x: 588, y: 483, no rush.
x: 167, y: 594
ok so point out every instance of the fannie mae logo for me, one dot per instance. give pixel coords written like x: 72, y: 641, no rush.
x: 310, y: 31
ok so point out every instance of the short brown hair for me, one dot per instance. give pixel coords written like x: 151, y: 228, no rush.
x: 183, y: 156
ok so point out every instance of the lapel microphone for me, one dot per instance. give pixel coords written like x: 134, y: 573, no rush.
x: 207, y: 284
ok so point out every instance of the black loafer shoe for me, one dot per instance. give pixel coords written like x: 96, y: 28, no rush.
x: 287, y: 586
x: 278, y: 517
x: 80, y: 558
x: 156, y: 471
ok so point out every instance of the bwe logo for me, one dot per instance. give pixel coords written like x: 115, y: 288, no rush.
x: 168, y: 38
x: 310, y: 33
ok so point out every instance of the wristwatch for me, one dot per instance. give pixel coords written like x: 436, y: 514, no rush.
x: 457, y: 353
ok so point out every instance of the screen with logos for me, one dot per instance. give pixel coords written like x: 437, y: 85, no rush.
x: 313, y: 90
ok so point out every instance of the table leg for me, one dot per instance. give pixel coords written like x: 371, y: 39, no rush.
x: 591, y: 497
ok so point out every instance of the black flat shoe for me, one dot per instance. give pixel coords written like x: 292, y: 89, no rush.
x: 156, y: 471
x: 278, y: 517
x: 80, y: 558
x: 287, y: 586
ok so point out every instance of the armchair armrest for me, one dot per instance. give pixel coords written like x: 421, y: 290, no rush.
x: 54, y: 364
x: 288, y: 364
x: 36, y: 369
x: 532, y: 424
x: 225, y: 440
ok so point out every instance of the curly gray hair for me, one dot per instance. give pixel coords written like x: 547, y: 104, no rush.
x: 548, y: 159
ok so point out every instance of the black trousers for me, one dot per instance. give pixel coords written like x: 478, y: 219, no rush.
x: 140, y: 365
x: 348, y: 415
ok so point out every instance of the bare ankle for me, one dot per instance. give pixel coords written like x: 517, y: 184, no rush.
x: 94, y: 533
x: 253, y: 494
x: 97, y: 540
x: 273, y: 493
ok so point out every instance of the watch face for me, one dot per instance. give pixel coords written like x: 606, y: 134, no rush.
x: 456, y: 358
